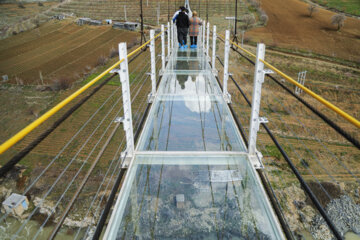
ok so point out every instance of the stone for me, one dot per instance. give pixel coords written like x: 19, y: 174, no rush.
x: 180, y: 200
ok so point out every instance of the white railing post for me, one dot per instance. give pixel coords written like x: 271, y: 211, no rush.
x: 153, y: 67
x: 168, y: 40
x: 127, y: 119
x: 162, y: 49
x: 125, y: 13
x: 171, y: 35
x: 203, y: 35
x: 259, y: 74
x: 226, y: 95
x: 199, y: 41
x: 174, y: 36
x: 214, y: 51
x: 207, y: 39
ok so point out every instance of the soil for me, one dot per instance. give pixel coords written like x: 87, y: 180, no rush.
x: 290, y: 26
x: 69, y: 51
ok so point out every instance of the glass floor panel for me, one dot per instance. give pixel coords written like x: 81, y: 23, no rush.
x: 189, y: 64
x: 192, y: 197
x: 201, y: 186
x: 183, y: 83
x: 190, y: 123
x: 189, y: 53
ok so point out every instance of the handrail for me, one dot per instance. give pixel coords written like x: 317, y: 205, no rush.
x: 29, y: 128
x: 328, y: 104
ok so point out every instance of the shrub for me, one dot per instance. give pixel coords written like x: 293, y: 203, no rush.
x: 338, y: 20
x: 36, y: 22
x: 113, y: 53
x: 312, y: 9
x: 40, y: 4
x: 263, y: 16
x: 248, y: 20
x: 21, y: 5
x: 61, y: 83
x: 101, y: 61
x: 254, y: 3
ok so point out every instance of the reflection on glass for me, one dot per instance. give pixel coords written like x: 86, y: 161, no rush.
x: 187, y: 64
x: 195, y: 198
x: 187, y: 84
x: 193, y: 123
x: 189, y: 53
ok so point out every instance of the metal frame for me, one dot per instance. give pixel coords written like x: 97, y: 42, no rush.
x: 301, y: 80
x: 162, y: 49
x: 115, y: 218
x: 203, y: 34
x: 213, y: 61
x: 187, y: 153
x: 168, y: 40
x: 207, y: 39
x: 199, y: 43
x: 153, y: 67
x: 226, y: 94
x: 255, y: 120
x: 127, y: 119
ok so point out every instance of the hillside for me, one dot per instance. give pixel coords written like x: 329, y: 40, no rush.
x: 290, y: 26
x: 58, y: 50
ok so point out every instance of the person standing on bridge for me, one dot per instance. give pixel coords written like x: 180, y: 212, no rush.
x: 195, y: 22
x: 182, y: 24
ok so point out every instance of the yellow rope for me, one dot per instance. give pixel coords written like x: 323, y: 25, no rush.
x: 20, y: 135
x: 328, y: 104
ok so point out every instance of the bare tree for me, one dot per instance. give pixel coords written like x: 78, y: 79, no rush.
x: 21, y: 5
x: 248, y: 21
x: 263, y: 16
x: 312, y: 9
x: 338, y: 20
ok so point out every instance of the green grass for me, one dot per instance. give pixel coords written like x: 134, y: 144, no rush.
x: 347, y: 6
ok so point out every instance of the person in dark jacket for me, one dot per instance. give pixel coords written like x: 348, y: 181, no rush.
x: 182, y: 24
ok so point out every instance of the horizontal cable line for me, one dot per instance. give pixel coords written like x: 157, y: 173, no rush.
x: 84, y: 162
x: 318, y: 140
x: 65, y: 169
x: 74, y: 158
x: 61, y: 151
x: 21, y: 134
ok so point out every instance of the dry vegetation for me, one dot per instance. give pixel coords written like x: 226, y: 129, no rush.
x: 58, y: 50
x: 290, y: 27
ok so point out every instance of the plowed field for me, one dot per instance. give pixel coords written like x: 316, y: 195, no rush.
x: 290, y: 26
x: 57, y: 50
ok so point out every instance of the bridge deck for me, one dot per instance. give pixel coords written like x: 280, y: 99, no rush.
x: 191, y: 177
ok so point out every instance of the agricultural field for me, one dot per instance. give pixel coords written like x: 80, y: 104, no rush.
x: 346, y: 6
x: 320, y: 154
x: 290, y: 27
x: 22, y: 16
x: 48, y: 63
x: 88, y: 122
x: 58, y: 51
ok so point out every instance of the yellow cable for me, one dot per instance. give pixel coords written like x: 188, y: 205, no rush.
x: 328, y: 104
x: 20, y: 135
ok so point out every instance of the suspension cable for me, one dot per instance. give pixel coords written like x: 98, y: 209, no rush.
x: 296, y: 172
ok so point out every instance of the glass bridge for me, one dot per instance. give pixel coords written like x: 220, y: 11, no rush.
x: 191, y: 177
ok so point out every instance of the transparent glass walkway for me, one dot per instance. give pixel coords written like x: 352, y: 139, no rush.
x: 191, y: 177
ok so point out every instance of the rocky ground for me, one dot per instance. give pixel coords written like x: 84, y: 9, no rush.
x: 301, y: 215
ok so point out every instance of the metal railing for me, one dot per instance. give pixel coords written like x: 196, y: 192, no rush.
x: 328, y: 104
x: 21, y: 134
